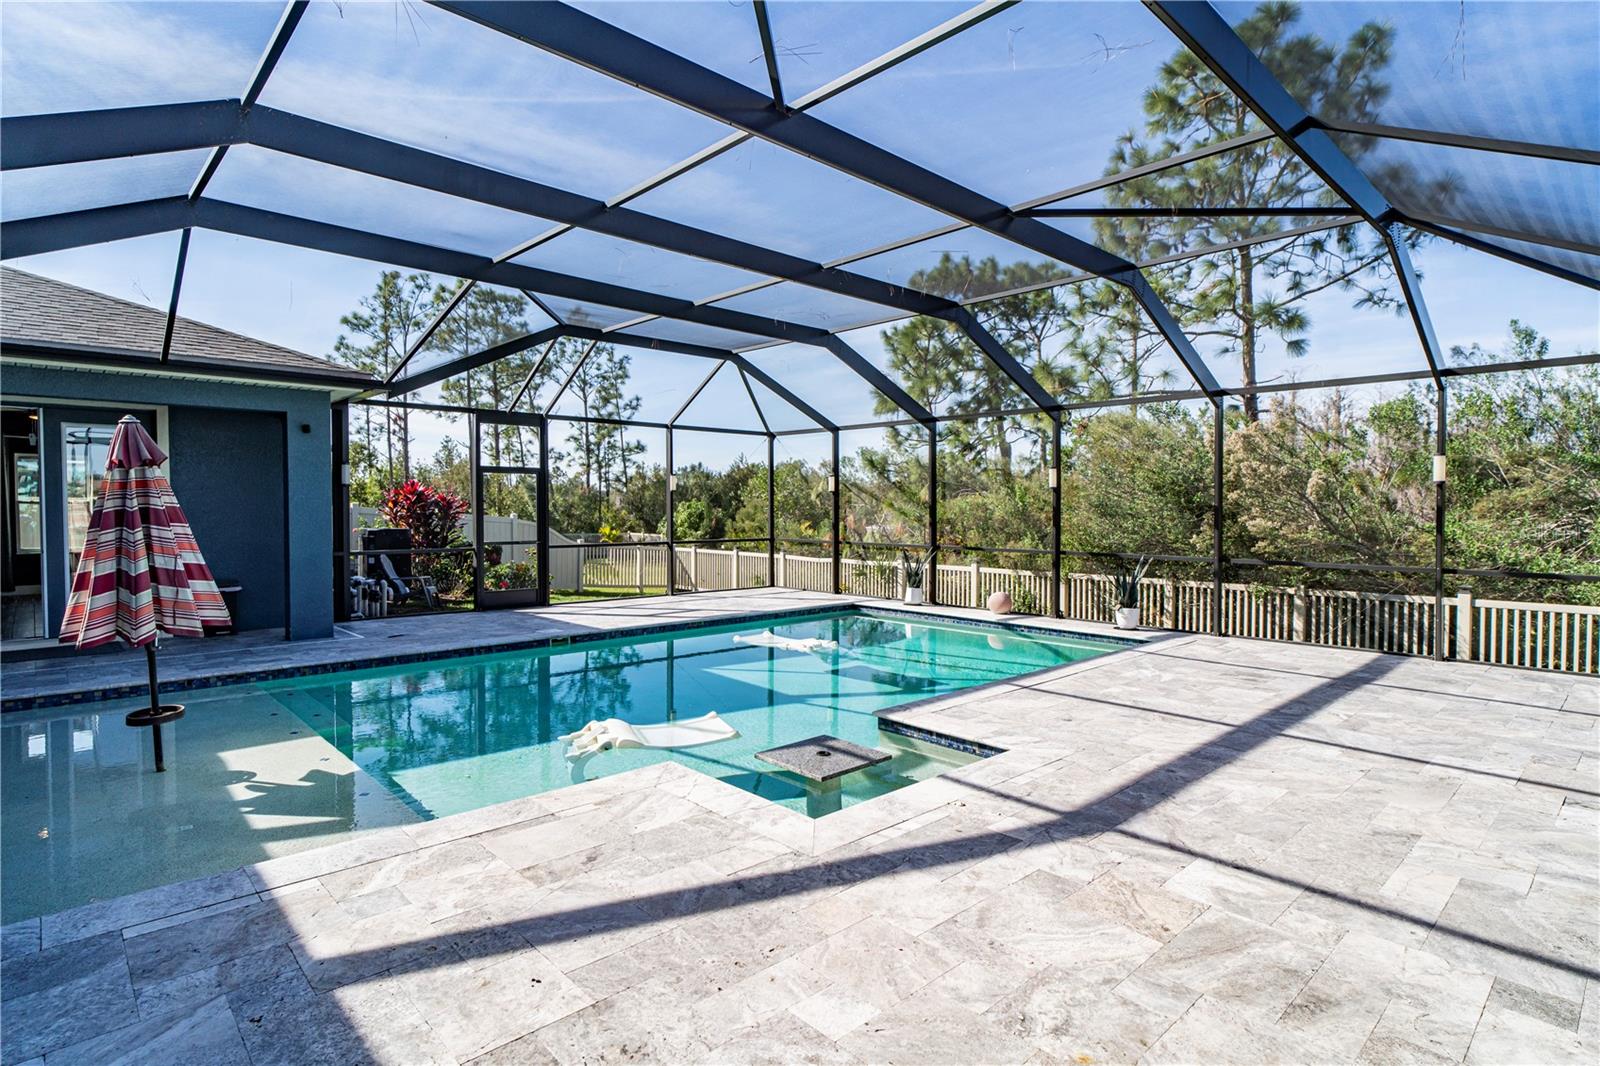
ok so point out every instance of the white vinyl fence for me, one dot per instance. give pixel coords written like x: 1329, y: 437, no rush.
x: 1545, y: 636
x: 497, y: 529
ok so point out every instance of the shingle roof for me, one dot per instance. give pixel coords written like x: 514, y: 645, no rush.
x: 40, y: 311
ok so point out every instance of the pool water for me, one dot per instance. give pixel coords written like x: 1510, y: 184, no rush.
x: 274, y: 767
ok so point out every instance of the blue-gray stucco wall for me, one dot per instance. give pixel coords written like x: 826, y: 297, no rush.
x: 253, y: 482
x: 239, y: 522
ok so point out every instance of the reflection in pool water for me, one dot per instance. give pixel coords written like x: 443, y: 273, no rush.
x: 263, y: 770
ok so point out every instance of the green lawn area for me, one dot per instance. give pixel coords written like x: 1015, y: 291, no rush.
x: 605, y: 593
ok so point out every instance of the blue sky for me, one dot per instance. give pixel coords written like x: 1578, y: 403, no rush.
x: 1027, y: 103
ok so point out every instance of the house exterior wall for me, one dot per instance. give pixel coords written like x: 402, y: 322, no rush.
x: 251, y: 465
x: 241, y: 523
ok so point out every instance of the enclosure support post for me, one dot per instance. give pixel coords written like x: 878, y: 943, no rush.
x: 1055, y: 516
x: 177, y: 289
x: 930, y: 573
x: 772, y: 513
x: 1441, y: 431
x: 833, y: 495
x: 474, y: 427
x: 341, y: 512
x: 672, y: 550
x: 1216, y: 515
x: 541, y: 515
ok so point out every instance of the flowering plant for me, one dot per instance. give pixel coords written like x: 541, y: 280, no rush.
x: 510, y: 576
x: 432, y: 515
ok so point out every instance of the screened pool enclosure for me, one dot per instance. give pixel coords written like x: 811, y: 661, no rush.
x: 1296, y: 302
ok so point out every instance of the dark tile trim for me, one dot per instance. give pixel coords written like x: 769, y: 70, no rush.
x: 997, y: 623
x: 943, y: 740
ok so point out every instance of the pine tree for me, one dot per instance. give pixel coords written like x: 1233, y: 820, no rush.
x: 1237, y: 296
x: 382, y: 329
x: 484, y: 318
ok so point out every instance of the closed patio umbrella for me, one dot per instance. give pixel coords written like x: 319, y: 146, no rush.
x: 141, y: 573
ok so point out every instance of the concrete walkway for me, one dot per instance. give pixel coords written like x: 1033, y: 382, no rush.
x: 1198, y: 850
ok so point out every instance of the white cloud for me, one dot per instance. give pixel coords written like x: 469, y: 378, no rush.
x: 70, y: 57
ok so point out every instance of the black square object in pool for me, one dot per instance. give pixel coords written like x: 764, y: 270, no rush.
x: 823, y: 758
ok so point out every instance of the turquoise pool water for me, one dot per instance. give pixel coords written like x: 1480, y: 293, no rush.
x: 469, y: 733
x: 270, y: 768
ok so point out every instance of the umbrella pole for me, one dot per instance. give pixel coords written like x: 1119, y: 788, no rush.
x: 155, y: 705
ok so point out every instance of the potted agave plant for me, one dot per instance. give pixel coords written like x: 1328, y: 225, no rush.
x: 916, y: 570
x: 1125, y: 593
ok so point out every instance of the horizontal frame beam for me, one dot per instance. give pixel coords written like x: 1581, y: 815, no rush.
x: 23, y: 237
x: 1564, y: 153
x: 1001, y: 357
x: 462, y: 364
x: 28, y: 141
x: 287, y: 22
x: 695, y: 395
x: 88, y: 135
x: 877, y: 379
x: 1203, y: 31
x: 1185, y: 212
x: 1468, y: 240
x: 1145, y: 399
x: 581, y: 38
x: 490, y: 412
x: 1155, y: 166
x: 322, y: 236
x: 348, y: 149
x: 414, y: 382
x: 1505, y: 232
x: 980, y: 12
x: 56, y: 232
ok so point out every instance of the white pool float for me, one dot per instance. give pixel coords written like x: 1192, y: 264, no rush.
x: 603, y: 735
x: 768, y: 639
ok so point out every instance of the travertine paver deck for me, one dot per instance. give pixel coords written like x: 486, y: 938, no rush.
x: 1201, y: 850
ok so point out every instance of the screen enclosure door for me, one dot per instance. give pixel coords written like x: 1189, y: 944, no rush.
x: 510, y: 504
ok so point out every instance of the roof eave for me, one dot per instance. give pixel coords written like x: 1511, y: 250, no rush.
x: 92, y: 357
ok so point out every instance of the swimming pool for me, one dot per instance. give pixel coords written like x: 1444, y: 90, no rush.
x: 272, y: 767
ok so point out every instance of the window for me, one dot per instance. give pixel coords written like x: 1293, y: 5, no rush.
x: 25, y: 476
x: 86, y: 450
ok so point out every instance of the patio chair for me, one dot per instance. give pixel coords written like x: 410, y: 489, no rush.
x: 405, y: 588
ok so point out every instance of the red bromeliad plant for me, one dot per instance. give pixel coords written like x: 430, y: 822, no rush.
x: 432, y: 515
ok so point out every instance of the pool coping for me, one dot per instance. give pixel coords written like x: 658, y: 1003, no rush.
x: 90, y: 694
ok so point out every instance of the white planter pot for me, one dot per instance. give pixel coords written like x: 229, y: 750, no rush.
x: 1127, y: 618
x: 914, y: 596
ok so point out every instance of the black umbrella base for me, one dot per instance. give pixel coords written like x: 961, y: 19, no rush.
x: 155, y: 717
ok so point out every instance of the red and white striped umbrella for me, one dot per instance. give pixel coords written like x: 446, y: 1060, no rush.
x: 141, y: 572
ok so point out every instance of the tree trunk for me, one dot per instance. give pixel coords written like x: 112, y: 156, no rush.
x: 405, y: 442
x: 1247, y: 331
x: 1002, y: 447
x: 1133, y: 366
